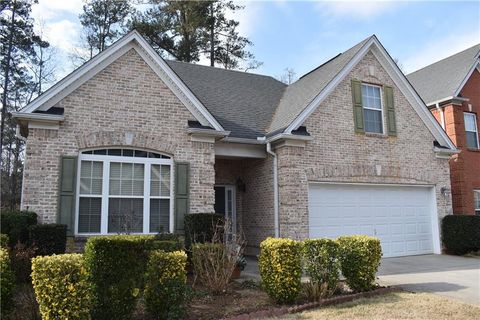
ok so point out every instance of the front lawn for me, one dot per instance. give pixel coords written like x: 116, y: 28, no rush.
x: 399, y: 305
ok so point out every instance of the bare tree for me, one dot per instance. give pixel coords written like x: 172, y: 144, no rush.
x: 288, y: 76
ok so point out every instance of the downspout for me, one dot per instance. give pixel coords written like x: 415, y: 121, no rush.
x: 275, y: 190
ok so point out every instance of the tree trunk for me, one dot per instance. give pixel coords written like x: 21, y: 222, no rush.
x: 212, y: 36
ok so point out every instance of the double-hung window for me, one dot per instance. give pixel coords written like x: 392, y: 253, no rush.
x: 372, y: 108
x: 476, y: 201
x: 124, y: 191
x: 471, y: 129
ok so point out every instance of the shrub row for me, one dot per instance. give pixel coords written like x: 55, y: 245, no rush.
x: 280, y: 264
x: 16, y: 224
x: 201, y: 227
x: 49, y: 238
x: 461, y: 233
x: 106, y: 281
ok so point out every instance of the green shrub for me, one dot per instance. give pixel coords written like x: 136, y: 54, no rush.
x: 16, y: 225
x: 360, y: 258
x: 61, y: 286
x: 22, y: 256
x: 213, y: 264
x: 201, y: 227
x: 4, y: 240
x: 165, y: 284
x: 179, y: 239
x: 49, y: 238
x: 116, y: 265
x: 321, y: 261
x: 461, y: 233
x: 165, y: 245
x: 281, y: 269
x: 7, y: 282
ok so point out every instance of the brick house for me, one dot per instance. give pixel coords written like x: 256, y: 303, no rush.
x: 133, y: 140
x: 451, y: 90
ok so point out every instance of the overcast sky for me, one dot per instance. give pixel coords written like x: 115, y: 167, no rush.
x: 304, y: 34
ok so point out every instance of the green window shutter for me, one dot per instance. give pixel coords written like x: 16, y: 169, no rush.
x: 66, y: 197
x: 182, y: 175
x: 357, y: 106
x: 390, y: 108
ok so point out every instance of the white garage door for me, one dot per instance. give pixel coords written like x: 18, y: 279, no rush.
x: 399, y: 216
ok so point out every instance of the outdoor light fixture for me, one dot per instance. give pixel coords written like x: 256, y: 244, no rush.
x: 445, y: 192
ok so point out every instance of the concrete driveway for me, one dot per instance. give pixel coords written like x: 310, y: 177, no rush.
x: 450, y: 276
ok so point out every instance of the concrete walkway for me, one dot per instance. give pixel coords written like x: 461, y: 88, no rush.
x: 450, y: 276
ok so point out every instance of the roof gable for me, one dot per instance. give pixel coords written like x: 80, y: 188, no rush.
x: 445, y: 78
x: 132, y: 40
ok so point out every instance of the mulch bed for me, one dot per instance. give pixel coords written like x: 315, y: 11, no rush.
x: 279, y: 311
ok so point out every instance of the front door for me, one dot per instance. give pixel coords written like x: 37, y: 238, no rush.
x: 225, y: 204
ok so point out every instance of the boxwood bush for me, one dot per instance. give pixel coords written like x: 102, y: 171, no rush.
x: 16, y: 225
x: 49, y: 238
x: 281, y: 268
x: 321, y: 260
x: 360, y: 258
x: 61, y: 286
x: 200, y: 227
x: 116, y: 265
x: 165, y: 284
x: 4, y: 240
x: 7, y: 282
x: 461, y: 233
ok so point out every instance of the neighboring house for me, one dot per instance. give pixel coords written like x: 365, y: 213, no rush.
x: 130, y: 141
x: 451, y: 90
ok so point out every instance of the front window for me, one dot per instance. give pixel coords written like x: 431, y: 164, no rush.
x: 372, y: 108
x: 124, y: 191
x: 476, y: 200
x: 471, y: 130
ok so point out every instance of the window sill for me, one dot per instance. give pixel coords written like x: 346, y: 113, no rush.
x: 376, y: 135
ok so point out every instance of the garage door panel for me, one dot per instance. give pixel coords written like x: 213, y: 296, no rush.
x: 399, y: 216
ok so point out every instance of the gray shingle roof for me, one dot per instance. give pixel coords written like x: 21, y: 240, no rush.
x: 242, y: 102
x: 441, y: 79
x: 251, y: 105
x: 299, y: 94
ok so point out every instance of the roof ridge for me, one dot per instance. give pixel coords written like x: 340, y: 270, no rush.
x: 222, y: 69
x: 449, y: 57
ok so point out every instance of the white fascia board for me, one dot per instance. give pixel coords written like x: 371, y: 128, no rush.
x: 475, y: 66
x: 312, y: 106
x: 412, y: 96
x: 239, y: 150
x: 207, y: 132
x: 131, y: 41
x: 288, y: 136
x: 454, y: 100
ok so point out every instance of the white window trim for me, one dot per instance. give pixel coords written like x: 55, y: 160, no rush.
x: 106, y: 160
x: 476, y: 210
x: 374, y: 109
x: 476, y: 128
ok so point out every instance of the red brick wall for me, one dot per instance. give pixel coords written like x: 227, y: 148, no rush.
x: 464, y: 167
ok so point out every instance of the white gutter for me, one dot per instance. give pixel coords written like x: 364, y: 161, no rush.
x: 275, y: 190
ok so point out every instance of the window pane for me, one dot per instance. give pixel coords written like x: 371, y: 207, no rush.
x: 371, y: 97
x: 165, y: 179
x: 155, y: 180
x: 126, y: 179
x: 125, y: 215
x: 373, y: 121
x: 159, y: 215
x: 470, y: 124
x: 472, y: 139
x: 89, y: 217
x: 91, y: 173
x: 476, y: 194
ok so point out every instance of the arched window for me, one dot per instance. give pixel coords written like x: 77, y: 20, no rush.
x: 124, y: 191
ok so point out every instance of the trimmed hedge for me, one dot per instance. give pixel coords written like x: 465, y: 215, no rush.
x: 116, y: 265
x: 280, y: 268
x: 16, y: 225
x: 178, y: 239
x: 165, y: 288
x: 321, y: 260
x: 360, y: 258
x: 200, y: 227
x: 49, y: 238
x: 461, y: 233
x: 61, y: 286
x: 7, y: 282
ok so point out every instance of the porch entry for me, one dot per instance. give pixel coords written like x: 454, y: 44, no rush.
x: 225, y: 204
